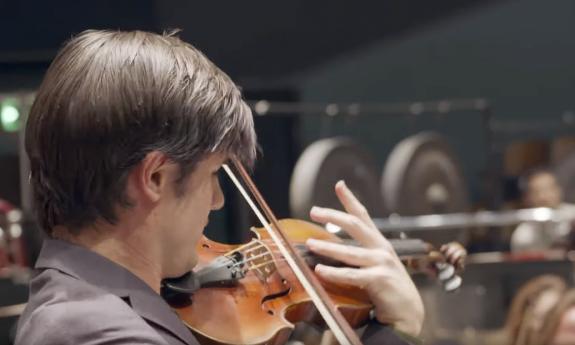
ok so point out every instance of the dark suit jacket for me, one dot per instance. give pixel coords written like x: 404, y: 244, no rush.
x: 78, y: 297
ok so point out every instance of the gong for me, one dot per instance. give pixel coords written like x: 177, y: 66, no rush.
x: 322, y: 165
x: 565, y: 172
x: 423, y: 176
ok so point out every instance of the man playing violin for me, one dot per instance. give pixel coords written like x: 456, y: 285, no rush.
x: 125, y: 139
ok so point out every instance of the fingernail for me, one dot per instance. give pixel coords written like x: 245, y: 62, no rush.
x: 317, y: 210
x: 311, y: 241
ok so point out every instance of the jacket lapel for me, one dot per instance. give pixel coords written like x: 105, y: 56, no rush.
x: 84, y: 264
x: 157, y: 311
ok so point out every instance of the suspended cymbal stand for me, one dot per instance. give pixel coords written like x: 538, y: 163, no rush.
x: 438, y: 222
x: 263, y: 108
x: 535, y: 128
x: 493, y: 193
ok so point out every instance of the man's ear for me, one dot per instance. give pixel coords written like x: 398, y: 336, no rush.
x: 151, y: 177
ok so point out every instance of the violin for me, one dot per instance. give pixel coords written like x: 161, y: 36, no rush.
x: 258, y: 290
x: 254, y: 281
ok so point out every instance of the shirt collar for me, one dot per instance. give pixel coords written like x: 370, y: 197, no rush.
x: 86, y: 265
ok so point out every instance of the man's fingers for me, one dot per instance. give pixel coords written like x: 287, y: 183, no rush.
x: 343, y: 275
x: 458, y: 258
x: 351, y: 204
x: 355, y: 227
x: 454, y: 253
x: 457, y: 252
x: 354, y: 256
x: 450, y: 251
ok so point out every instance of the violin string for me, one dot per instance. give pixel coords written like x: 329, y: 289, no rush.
x: 269, y: 252
x: 251, y: 258
x: 268, y: 262
x: 247, y: 245
x: 304, y: 253
x: 251, y: 243
x: 250, y: 250
x: 242, y: 247
x: 405, y: 256
x: 273, y: 260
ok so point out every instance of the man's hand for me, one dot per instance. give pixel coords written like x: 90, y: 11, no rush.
x: 380, y: 272
x: 455, y: 254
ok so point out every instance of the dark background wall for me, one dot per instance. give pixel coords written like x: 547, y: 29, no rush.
x: 516, y: 53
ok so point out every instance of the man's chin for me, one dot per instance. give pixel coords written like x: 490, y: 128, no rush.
x: 180, y: 269
x: 193, y: 263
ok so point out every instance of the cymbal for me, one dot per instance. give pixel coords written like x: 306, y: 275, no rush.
x: 325, y: 162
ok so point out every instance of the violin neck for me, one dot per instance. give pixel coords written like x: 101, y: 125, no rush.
x: 405, y: 248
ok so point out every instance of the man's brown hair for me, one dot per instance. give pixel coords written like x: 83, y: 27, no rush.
x: 111, y: 97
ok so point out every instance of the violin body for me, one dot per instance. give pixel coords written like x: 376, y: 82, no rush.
x: 262, y: 306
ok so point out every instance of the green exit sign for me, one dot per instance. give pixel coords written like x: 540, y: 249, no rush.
x: 9, y: 115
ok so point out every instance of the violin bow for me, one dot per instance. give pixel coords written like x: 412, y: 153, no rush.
x: 332, y: 317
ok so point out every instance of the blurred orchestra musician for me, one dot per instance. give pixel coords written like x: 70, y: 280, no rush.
x: 13, y: 251
x: 540, y: 188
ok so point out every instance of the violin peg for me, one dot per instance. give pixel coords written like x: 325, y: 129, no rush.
x: 452, y: 284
